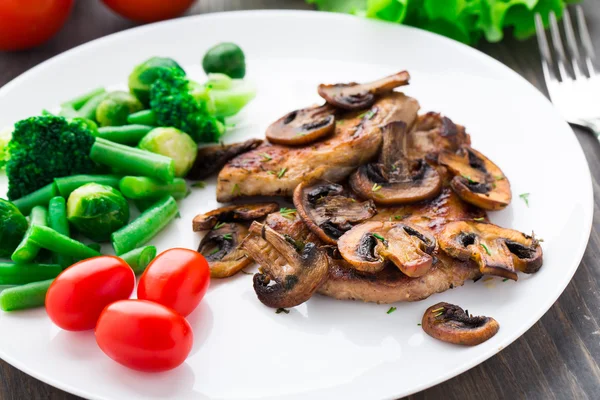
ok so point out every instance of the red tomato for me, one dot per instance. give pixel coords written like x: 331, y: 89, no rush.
x: 149, y: 10
x: 177, y: 278
x: 79, y: 294
x: 28, y: 23
x: 143, y: 335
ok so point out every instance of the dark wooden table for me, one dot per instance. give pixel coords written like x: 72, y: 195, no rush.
x: 557, y: 358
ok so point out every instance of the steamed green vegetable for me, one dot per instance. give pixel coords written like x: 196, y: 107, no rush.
x: 138, y: 259
x: 115, y: 107
x: 40, y: 197
x: 146, y: 226
x: 26, y: 296
x: 20, y: 274
x: 97, y: 211
x: 143, y: 188
x: 144, y: 117
x: 225, y: 58
x: 465, y: 20
x: 144, y: 75
x: 13, y: 226
x: 57, y: 220
x: 70, y: 108
x: 49, y: 239
x: 88, y: 110
x: 126, y: 134
x: 173, y: 143
x: 28, y: 250
x: 5, y: 137
x: 67, y: 184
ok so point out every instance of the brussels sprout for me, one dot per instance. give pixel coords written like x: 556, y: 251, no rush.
x: 225, y: 58
x: 115, y: 107
x: 144, y: 75
x: 97, y: 211
x: 13, y: 226
x: 172, y: 143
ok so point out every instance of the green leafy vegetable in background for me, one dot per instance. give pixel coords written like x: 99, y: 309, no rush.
x: 464, y: 20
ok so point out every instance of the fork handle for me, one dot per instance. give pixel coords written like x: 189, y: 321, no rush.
x: 593, y: 125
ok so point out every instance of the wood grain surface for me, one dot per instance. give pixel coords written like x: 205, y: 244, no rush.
x: 558, y: 358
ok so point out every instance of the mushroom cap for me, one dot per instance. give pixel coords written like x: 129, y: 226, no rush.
x: 356, y: 96
x: 450, y: 323
x: 235, y: 213
x: 477, y: 180
x: 210, y: 159
x: 367, y: 246
x: 497, y: 251
x: 396, y: 179
x: 291, y: 270
x: 329, y: 210
x: 304, y: 126
x: 221, y: 248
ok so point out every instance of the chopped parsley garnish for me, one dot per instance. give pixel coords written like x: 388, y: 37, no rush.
x: 282, y: 310
x: 479, y: 219
x: 378, y: 236
x: 289, y: 213
x: 418, y: 324
x: 266, y: 157
x: 227, y: 236
x: 400, y: 217
x: 235, y: 190
x: 468, y: 179
x: 215, y: 251
x: 504, y: 280
x: 271, y: 172
x: 438, y: 310
x: 219, y: 225
x: 391, y: 310
x: 281, y: 172
x: 486, y: 249
x: 499, y: 177
x: 525, y: 197
x: 376, y: 187
x: 199, y: 184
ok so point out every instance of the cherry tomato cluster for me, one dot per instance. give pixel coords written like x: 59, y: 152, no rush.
x: 148, y: 334
x: 27, y: 23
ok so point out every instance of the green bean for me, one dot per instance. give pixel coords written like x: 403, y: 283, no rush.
x: 141, y: 187
x: 138, y: 259
x: 95, y: 246
x: 144, y: 117
x: 79, y: 101
x: 88, y: 110
x: 40, y: 197
x: 19, y: 274
x: 133, y: 161
x: 30, y: 295
x: 67, y: 184
x: 126, y: 134
x: 50, y: 239
x: 57, y: 220
x: 143, y: 204
x: 28, y: 250
x: 146, y: 226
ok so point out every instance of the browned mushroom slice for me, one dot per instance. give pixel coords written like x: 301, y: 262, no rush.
x: 221, y: 248
x: 367, y: 246
x: 291, y: 271
x: 477, y: 180
x: 396, y: 179
x: 328, y: 210
x: 211, y: 159
x: 235, y: 213
x: 452, y: 324
x: 303, y: 126
x: 356, y: 96
x: 497, y: 251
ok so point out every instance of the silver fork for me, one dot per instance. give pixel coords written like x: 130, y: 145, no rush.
x: 572, y: 79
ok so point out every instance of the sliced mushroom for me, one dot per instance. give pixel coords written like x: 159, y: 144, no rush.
x: 367, y: 246
x: 211, y: 159
x: 221, y: 249
x: 291, y: 271
x: 235, y: 213
x: 477, y: 180
x: 303, y: 126
x: 497, y: 251
x: 396, y: 179
x: 450, y: 323
x: 356, y: 96
x: 329, y: 210
x: 433, y: 133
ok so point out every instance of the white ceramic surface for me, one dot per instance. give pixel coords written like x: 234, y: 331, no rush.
x: 323, y: 349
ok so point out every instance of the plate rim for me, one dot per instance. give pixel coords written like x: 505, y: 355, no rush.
x: 459, y: 369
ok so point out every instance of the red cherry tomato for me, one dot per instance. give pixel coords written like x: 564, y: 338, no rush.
x: 143, y: 335
x: 28, y: 23
x: 79, y: 294
x: 149, y: 10
x: 177, y: 278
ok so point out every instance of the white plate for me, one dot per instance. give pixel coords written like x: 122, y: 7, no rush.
x: 324, y: 348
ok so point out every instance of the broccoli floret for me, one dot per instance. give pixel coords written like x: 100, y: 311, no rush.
x: 47, y: 147
x: 183, y: 104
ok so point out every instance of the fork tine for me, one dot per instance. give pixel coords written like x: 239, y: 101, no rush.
x: 586, y: 40
x: 572, y: 46
x: 546, y: 55
x: 559, y: 48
